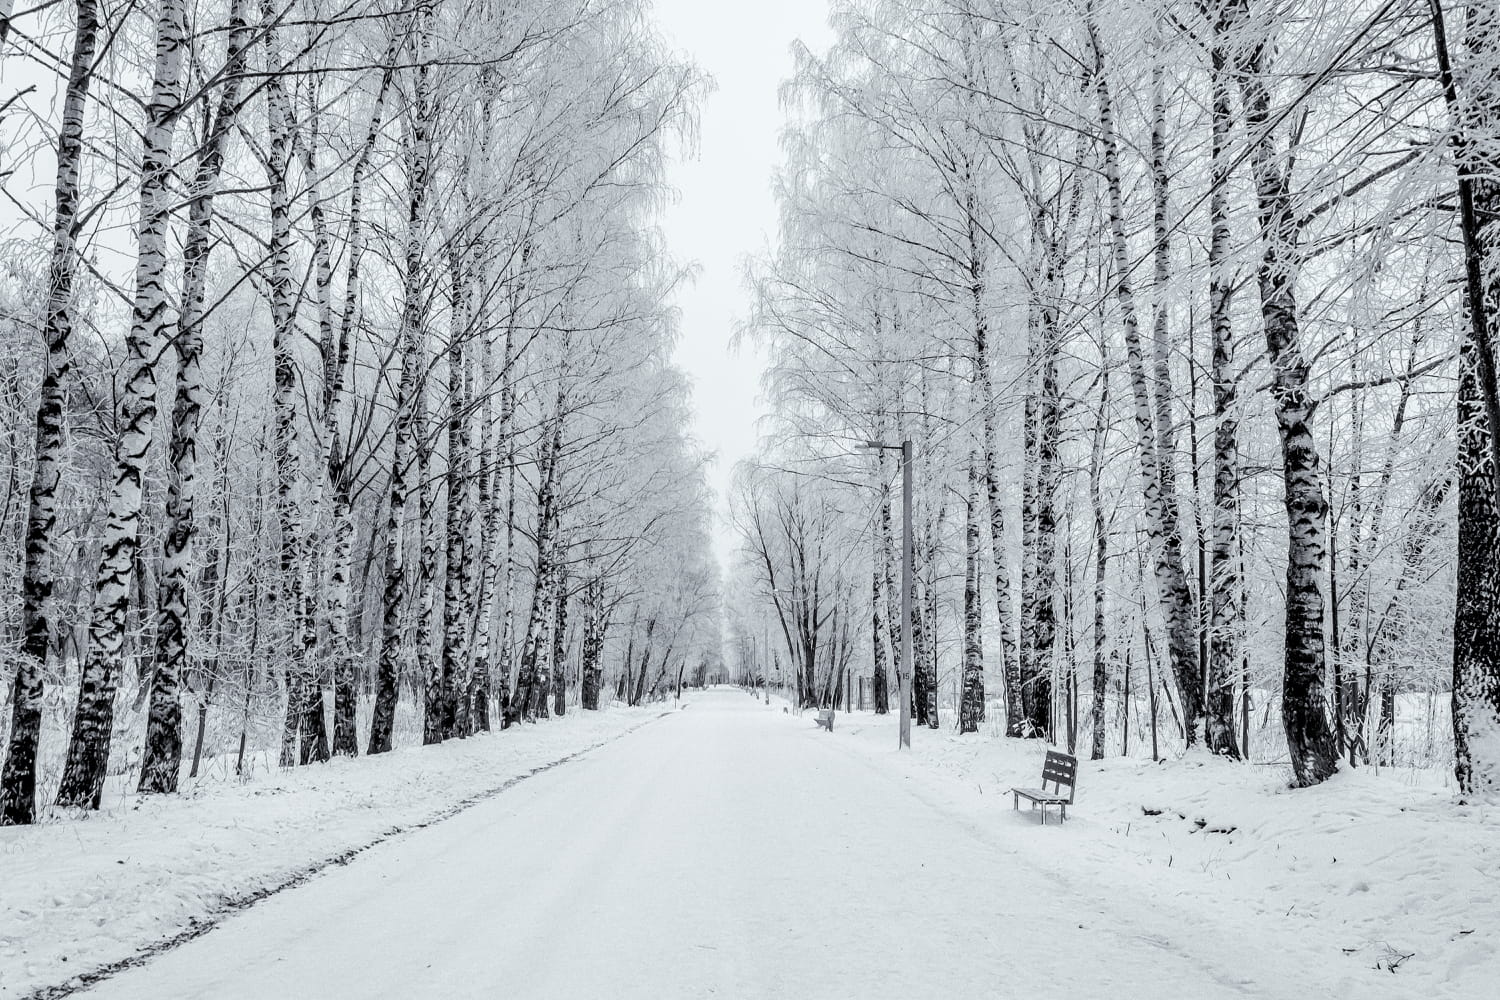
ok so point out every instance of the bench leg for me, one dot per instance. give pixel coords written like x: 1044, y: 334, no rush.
x: 1015, y: 802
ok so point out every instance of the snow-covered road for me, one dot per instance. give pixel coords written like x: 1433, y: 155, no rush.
x: 727, y: 850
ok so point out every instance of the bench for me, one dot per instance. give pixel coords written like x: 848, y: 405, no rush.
x: 1058, y: 770
x: 825, y: 718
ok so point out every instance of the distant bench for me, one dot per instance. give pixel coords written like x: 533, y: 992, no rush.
x: 1058, y: 769
x: 825, y: 718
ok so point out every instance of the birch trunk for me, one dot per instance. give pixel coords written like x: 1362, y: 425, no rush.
x: 301, y: 687
x: 458, y: 581
x: 531, y: 679
x: 1052, y: 219
x: 505, y: 675
x: 161, y: 760
x: 929, y: 661
x: 595, y: 626
x: 560, y: 635
x: 388, y: 675
x: 622, y: 682
x: 492, y: 461
x: 335, y: 461
x: 508, y: 616
x: 1310, y: 741
x: 1163, y: 531
x: 971, y: 698
x: 1227, y: 615
x: 1042, y: 475
x: 39, y: 575
x: 1039, y: 532
x: 336, y: 595
x: 882, y: 693
x: 1004, y: 603
x: 878, y: 629
x: 1345, y: 625
x: 489, y: 529
x: 429, y: 666
x: 638, y: 689
x: 1476, y: 637
x: 419, y: 156
x: 1101, y: 563
x: 341, y: 557
x: 1009, y: 665
x: 88, y: 749
x: 211, y: 617
x: 917, y: 690
x: 1475, y: 110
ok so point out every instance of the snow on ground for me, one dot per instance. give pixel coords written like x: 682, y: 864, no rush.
x: 80, y: 892
x: 1381, y: 874
x: 735, y: 849
x: 731, y: 850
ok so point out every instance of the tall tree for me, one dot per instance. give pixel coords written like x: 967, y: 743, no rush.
x: 161, y: 760
x: 1309, y: 735
x: 18, y: 780
x: 88, y: 748
x: 1163, y: 527
x: 1473, y: 96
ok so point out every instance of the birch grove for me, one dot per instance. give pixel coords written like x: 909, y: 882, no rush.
x: 1267, y: 221
x: 341, y: 413
x: 377, y: 296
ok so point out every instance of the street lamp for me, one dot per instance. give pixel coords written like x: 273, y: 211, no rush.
x: 903, y: 676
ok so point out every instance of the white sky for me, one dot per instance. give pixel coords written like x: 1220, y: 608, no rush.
x: 726, y: 210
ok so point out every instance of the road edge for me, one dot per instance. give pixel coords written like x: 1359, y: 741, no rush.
x: 228, y: 906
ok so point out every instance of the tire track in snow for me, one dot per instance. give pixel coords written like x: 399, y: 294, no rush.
x: 230, y: 905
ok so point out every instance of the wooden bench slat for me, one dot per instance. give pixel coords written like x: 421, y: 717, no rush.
x: 1058, y: 767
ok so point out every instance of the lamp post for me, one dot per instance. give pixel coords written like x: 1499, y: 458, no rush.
x: 904, y: 674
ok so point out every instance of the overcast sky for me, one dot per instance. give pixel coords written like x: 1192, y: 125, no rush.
x: 726, y: 211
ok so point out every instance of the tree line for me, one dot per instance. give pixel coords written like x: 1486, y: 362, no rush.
x: 338, y: 402
x: 1189, y: 309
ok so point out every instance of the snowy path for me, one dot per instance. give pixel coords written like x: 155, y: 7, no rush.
x: 727, y: 850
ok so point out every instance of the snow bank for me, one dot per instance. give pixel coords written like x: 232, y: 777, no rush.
x: 80, y: 892
x: 1383, y: 873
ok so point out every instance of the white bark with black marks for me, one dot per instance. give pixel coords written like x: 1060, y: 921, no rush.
x: 151, y: 318
x: 1163, y: 531
x: 162, y: 757
x: 39, y: 573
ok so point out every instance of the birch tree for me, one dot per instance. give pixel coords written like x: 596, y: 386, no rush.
x: 162, y: 759
x: 88, y: 748
x: 18, y: 781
